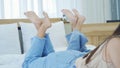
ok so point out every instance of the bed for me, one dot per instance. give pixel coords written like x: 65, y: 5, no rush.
x: 96, y: 33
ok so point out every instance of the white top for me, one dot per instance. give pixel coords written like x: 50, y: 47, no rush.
x: 97, y: 61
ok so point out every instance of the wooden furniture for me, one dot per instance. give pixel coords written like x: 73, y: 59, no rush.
x: 8, y: 21
x: 96, y: 33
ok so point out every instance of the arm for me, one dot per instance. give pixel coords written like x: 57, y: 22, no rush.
x: 114, y: 51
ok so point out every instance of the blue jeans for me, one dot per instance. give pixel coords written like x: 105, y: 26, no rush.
x: 42, y: 54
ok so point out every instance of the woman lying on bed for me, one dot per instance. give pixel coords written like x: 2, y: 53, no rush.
x: 42, y: 55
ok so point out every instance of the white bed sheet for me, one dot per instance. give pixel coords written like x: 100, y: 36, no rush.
x: 11, y: 66
x: 16, y: 60
x: 90, y: 47
x: 11, y: 60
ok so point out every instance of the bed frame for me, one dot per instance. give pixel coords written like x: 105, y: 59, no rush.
x: 9, y: 21
x: 96, y: 33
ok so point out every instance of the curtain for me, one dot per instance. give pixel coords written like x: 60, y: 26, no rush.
x: 1, y: 9
x: 16, y: 8
x: 115, y: 9
x: 94, y: 10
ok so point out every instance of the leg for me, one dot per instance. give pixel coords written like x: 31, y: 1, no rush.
x: 34, y: 58
x: 48, y: 45
x: 76, y: 39
x: 42, y: 26
x: 35, y: 53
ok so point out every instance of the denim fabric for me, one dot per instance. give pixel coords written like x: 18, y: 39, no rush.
x: 42, y: 55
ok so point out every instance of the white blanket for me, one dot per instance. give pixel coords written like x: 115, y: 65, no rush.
x: 16, y: 60
x: 11, y: 61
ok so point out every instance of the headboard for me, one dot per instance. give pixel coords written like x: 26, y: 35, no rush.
x: 96, y: 33
x: 8, y: 21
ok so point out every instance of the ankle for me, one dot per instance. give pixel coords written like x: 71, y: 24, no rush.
x: 41, y: 32
x: 78, y: 28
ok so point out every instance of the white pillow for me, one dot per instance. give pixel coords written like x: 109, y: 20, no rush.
x: 9, y: 39
x: 56, y: 33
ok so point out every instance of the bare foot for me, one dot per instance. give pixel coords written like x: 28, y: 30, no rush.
x: 76, y: 13
x: 46, y: 21
x: 80, y: 19
x: 34, y: 18
x: 80, y: 23
x: 45, y: 25
x: 72, y: 18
